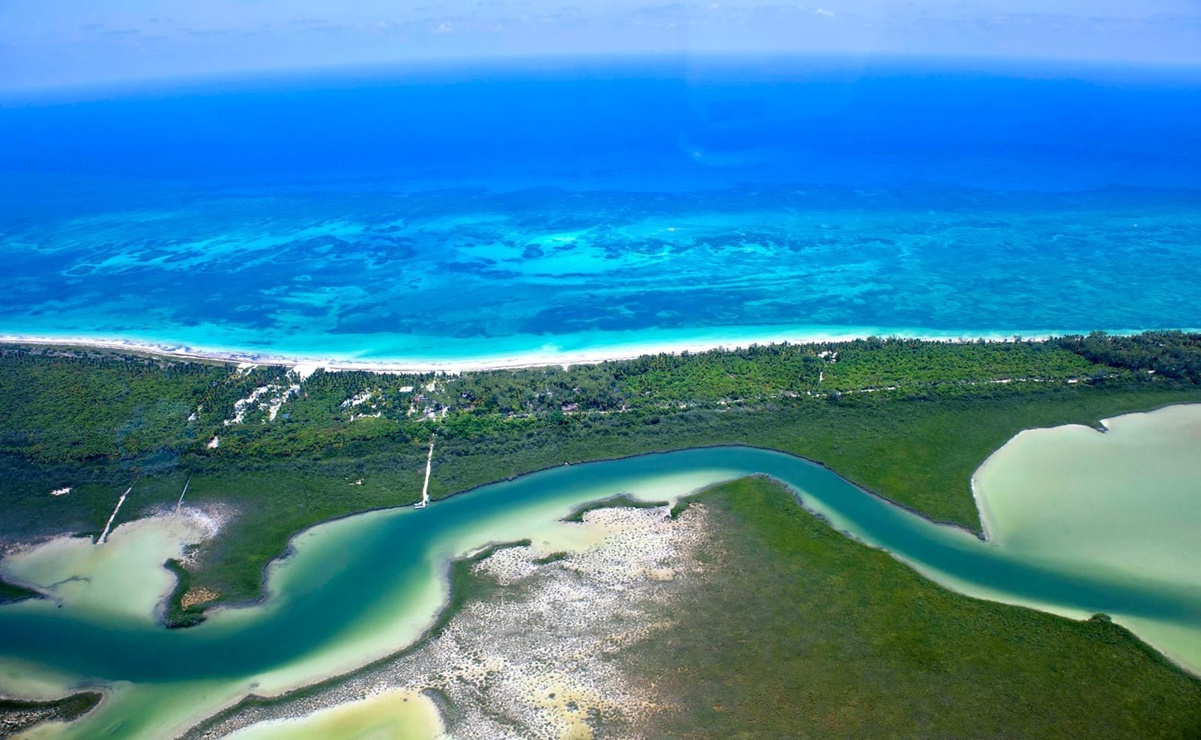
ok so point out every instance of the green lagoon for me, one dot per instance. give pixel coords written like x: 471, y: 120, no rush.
x: 1078, y: 523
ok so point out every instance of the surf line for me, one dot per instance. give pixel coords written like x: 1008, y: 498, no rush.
x: 179, y: 503
x: 104, y: 534
x: 425, y: 489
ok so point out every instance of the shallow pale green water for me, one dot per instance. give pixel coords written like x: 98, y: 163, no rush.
x: 119, y: 577
x: 392, y: 714
x: 1125, y: 501
x: 368, y: 585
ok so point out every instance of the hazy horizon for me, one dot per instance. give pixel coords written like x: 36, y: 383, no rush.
x: 75, y: 43
x: 694, y: 67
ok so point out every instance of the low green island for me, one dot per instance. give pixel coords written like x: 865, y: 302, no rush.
x: 794, y: 625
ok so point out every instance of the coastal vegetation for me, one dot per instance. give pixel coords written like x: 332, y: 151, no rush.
x: 17, y: 716
x: 12, y: 592
x: 908, y: 419
x: 769, y: 624
x: 180, y: 611
x: 621, y: 500
x: 86, y: 405
x: 797, y: 631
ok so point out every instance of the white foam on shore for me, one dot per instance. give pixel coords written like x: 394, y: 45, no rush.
x: 545, y: 356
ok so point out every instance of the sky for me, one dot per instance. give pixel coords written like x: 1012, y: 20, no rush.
x: 52, y: 43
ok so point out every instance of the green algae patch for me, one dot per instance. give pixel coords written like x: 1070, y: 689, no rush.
x: 798, y: 631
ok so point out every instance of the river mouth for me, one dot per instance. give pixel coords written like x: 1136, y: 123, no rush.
x: 367, y: 586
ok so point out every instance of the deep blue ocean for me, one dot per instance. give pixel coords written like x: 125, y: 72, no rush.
x: 498, y: 209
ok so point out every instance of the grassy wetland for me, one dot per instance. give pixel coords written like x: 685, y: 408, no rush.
x: 909, y: 420
x: 746, y: 615
x: 798, y: 631
x: 290, y: 459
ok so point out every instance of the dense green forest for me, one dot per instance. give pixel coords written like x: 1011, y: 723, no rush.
x: 908, y: 419
x: 58, y: 406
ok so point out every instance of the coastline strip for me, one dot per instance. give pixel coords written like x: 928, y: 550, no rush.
x: 536, y: 359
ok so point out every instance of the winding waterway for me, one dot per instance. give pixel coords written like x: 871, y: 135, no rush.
x: 368, y: 585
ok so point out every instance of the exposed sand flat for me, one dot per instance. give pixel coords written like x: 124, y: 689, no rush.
x: 549, y: 355
x: 401, y: 618
x: 387, y: 714
x: 537, y: 661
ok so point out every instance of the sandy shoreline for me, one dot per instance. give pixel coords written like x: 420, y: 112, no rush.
x: 542, y: 358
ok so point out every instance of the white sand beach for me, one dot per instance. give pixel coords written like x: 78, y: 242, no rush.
x: 547, y: 356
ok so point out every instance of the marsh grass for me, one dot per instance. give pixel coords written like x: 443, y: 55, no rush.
x: 917, y: 445
x: 797, y: 631
x: 17, y: 715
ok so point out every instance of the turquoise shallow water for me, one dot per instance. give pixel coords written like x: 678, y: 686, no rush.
x: 336, y: 597
x: 507, y: 211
